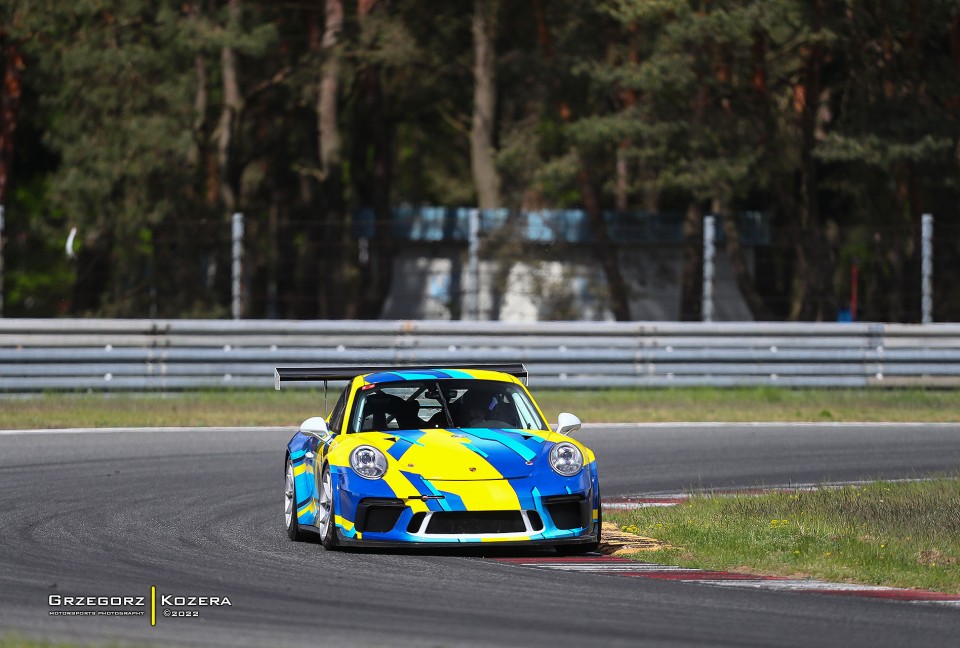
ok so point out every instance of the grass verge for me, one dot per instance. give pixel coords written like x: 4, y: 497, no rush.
x: 903, y: 534
x: 268, y: 407
x: 15, y: 640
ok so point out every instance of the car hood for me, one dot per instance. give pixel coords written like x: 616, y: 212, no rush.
x: 466, y: 454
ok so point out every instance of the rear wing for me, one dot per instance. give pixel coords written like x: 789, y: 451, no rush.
x: 325, y: 374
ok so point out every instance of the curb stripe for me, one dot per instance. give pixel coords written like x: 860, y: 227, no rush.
x: 695, y: 576
x: 672, y: 499
x: 643, y: 502
x: 615, y: 566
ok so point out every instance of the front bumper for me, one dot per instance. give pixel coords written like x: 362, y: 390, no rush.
x: 388, y: 544
x: 542, y: 509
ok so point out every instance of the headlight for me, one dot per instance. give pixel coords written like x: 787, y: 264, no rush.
x: 368, y: 462
x: 566, y: 459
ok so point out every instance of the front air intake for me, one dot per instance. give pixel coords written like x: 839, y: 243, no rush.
x: 378, y: 514
x: 475, y: 523
x: 568, y: 511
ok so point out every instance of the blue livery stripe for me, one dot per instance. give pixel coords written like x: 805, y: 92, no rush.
x: 403, y: 442
x: 537, y: 501
x: 430, y: 487
x: 453, y: 502
x: 395, y: 376
x: 476, y: 449
x: 454, y: 373
x: 399, y: 448
x: 417, y: 483
x: 421, y: 375
x: 433, y: 491
x: 424, y: 487
x: 383, y: 377
x: 502, y: 438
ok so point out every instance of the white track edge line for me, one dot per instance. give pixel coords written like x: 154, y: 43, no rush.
x: 586, y: 426
x: 148, y: 430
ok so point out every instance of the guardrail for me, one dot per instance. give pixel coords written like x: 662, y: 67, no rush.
x: 113, y: 354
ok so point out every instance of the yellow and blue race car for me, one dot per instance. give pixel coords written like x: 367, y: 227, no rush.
x: 431, y: 455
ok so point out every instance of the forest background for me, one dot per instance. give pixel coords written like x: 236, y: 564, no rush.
x: 145, y: 124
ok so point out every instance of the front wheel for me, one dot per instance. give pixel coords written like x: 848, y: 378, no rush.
x: 290, y: 503
x: 325, y: 517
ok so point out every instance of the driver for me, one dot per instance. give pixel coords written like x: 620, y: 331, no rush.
x: 478, y: 407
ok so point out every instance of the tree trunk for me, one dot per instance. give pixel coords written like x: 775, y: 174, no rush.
x: 383, y: 250
x: 201, y: 98
x: 738, y: 262
x: 903, y: 253
x: 12, y: 73
x: 232, y: 104
x: 800, y: 284
x: 813, y: 253
x: 485, y: 176
x: 271, y: 309
x: 606, y: 249
x: 622, y: 182
x: 895, y: 290
x: 327, y: 129
x: 691, y: 289
x: 378, y: 275
x: 229, y: 116
x: 628, y: 102
x: 330, y: 260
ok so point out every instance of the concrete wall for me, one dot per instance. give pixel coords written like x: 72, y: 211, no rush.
x: 426, y: 287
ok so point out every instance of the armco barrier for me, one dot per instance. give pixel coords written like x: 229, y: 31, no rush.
x: 113, y: 354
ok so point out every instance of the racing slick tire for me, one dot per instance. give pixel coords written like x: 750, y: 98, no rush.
x: 290, y: 503
x: 325, y: 516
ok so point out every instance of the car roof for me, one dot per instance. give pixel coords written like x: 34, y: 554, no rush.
x: 445, y: 373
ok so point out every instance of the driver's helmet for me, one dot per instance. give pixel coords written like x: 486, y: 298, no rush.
x: 480, y: 402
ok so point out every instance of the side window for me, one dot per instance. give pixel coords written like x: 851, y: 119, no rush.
x: 336, y: 416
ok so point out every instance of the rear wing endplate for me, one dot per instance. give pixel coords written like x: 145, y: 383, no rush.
x: 326, y: 374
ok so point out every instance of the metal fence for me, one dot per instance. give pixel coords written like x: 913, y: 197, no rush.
x: 109, y: 354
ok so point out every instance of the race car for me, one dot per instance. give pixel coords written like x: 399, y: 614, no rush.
x: 427, y: 456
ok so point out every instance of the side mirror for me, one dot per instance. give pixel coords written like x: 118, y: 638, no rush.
x: 567, y: 423
x: 316, y: 425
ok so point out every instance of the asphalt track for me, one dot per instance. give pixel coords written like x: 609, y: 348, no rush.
x: 198, y: 512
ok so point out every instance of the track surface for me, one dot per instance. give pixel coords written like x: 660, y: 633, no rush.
x: 199, y: 513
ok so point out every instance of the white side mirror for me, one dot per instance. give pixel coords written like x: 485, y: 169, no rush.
x: 315, y: 425
x: 567, y: 423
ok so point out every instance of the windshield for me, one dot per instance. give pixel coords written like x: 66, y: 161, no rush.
x: 416, y: 404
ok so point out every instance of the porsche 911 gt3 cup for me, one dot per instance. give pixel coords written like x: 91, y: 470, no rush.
x: 432, y: 455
